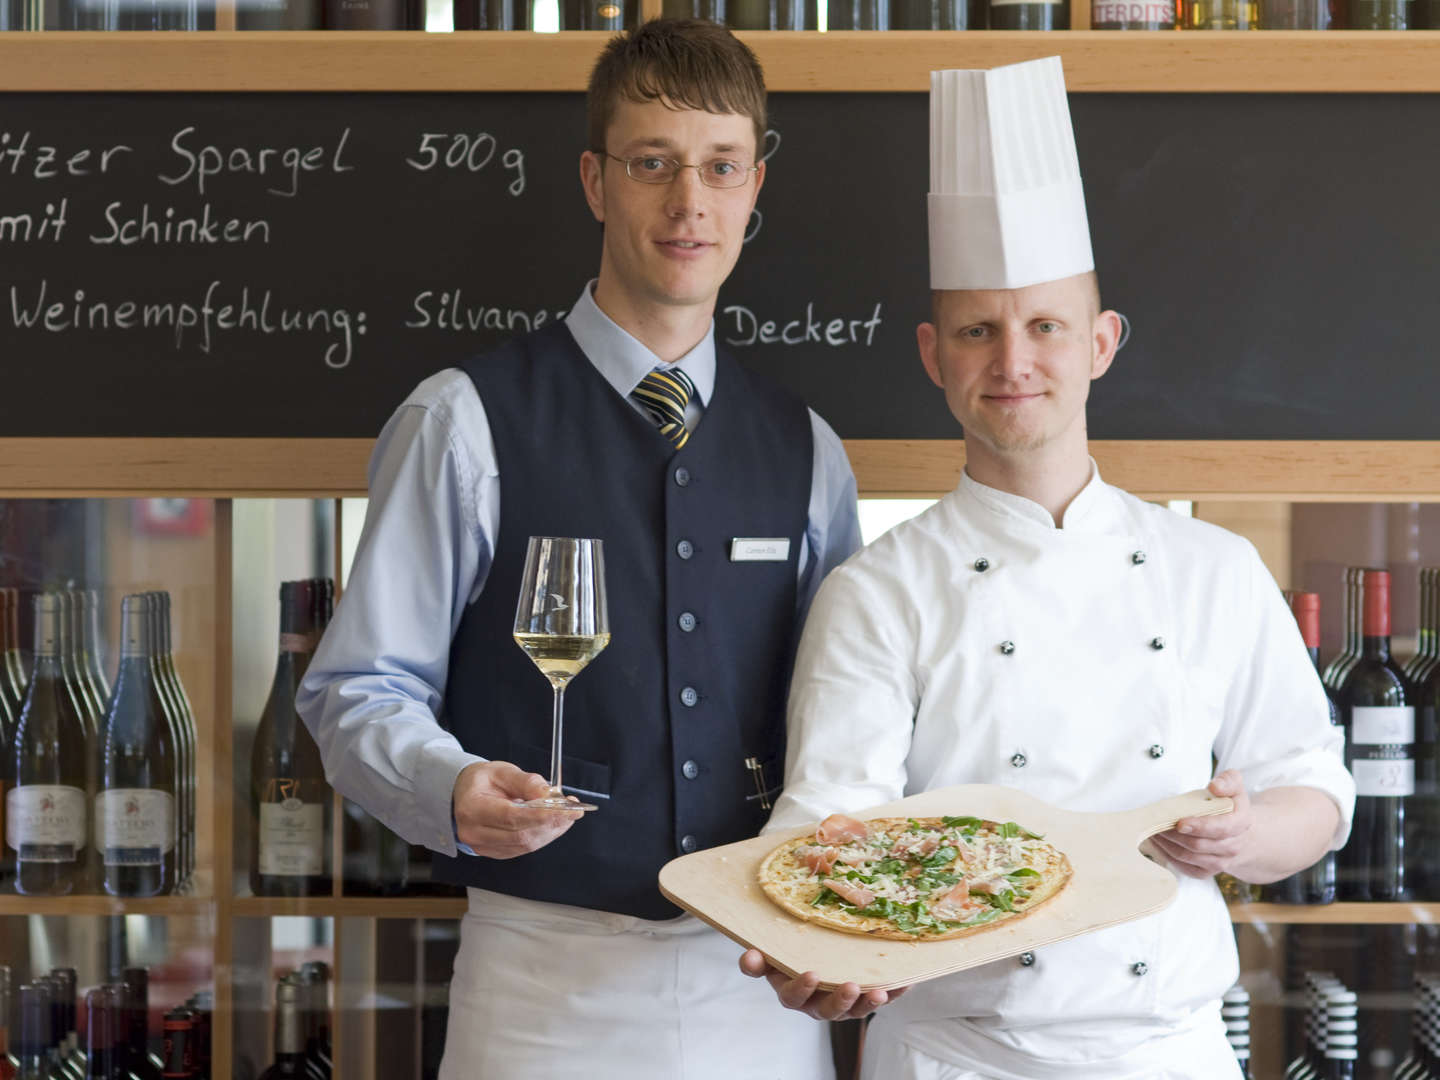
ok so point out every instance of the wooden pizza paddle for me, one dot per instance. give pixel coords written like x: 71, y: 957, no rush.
x: 1112, y: 883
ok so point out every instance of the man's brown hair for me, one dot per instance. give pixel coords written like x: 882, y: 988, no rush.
x: 682, y: 63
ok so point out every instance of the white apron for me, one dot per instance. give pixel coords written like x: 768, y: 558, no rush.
x: 552, y: 992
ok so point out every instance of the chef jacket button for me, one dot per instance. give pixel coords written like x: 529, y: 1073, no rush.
x: 689, y: 696
x: 1157, y: 643
x: 684, y: 549
x: 982, y: 564
x: 682, y: 476
x: 1019, y: 760
x: 1027, y: 959
x: 1007, y: 647
x: 1157, y: 751
x: 1139, y: 967
x: 688, y: 843
x: 690, y: 769
x: 1137, y: 558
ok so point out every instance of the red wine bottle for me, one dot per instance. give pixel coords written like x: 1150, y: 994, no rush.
x: 1379, y: 716
x: 1427, y: 755
x: 1344, y: 660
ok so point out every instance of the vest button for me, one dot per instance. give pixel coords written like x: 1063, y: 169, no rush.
x: 688, y: 843
x: 684, y: 549
x: 682, y: 476
x: 686, y: 621
x: 689, y: 697
x: 690, y: 769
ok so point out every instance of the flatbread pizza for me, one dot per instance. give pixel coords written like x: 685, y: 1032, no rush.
x: 914, y: 879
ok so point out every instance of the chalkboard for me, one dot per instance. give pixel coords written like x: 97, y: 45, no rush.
x: 291, y: 265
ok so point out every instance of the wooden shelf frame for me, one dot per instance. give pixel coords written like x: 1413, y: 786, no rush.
x: 1270, y: 470
x: 1266, y: 61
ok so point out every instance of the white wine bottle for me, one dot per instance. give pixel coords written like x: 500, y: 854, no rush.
x: 135, y: 809
x: 46, y: 812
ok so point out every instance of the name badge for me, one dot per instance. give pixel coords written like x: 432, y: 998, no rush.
x: 760, y: 549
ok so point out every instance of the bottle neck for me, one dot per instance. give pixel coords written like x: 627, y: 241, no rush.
x: 1375, y: 647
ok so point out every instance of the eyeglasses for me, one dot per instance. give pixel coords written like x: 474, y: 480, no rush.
x: 715, y: 173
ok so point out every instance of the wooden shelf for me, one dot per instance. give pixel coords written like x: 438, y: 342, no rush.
x: 1275, y: 61
x: 1277, y: 470
x: 1336, y: 914
x: 195, y: 906
x: 345, y: 907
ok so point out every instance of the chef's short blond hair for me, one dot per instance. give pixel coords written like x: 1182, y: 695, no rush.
x: 684, y: 63
x: 1092, y: 277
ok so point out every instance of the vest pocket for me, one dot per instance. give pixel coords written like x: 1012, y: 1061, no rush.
x: 587, y: 779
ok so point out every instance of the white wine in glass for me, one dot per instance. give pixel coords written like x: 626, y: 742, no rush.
x: 562, y: 623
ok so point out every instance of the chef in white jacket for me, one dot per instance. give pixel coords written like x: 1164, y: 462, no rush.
x: 1041, y: 629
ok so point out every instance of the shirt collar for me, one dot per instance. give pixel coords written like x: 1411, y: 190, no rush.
x: 1092, y: 510
x: 622, y: 360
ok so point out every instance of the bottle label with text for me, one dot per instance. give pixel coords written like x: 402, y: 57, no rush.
x: 1382, y: 725
x: 292, y: 838
x: 134, y: 826
x: 1389, y: 778
x: 45, y: 822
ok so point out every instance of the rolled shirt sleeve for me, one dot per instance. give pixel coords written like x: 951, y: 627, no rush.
x: 1277, y: 729
x: 377, y: 681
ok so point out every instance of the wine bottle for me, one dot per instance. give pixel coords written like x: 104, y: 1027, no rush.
x: 12, y: 684
x: 766, y: 14
x: 70, y: 1049
x: 135, y: 809
x: 290, y: 1061
x: 61, y: 1067
x: 202, y: 1004
x: 1340, y: 666
x: 492, y: 15
x: 1132, y: 15
x: 14, y: 663
x: 1379, y: 718
x: 711, y: 10
x: 1427, y: 769
x: 9, y: 728
x: 1380, y: 15
x: 1425, y: 657
x: 1028, y: 15
x: 70, y: 664
x: 135, y: 1024
x: 34, y: 1032
x: 315, y: 976
x: 1340, y: 1035
x: 376, y: 861
x: 372, y: 15
x: 290, y: 802
x: 87, y: 643
x: 47, y: 809
x: 1315, y: 884
x: 101, y: 1020
x: 179, y: 1056
x: 1235, y: 1012
x: 1219, y: 15
x: 182, y: 724
x: 9, y: 1066
x: 859, y: 14
x: 158, y: 15
x: 279, y: 15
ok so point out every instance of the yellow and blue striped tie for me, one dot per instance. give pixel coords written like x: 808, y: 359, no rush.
x: 664, y: 395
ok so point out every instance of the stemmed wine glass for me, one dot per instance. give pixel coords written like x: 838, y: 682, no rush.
x: 562, y: 624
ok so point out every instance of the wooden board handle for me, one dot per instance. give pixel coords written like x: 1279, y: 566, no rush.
x: 1159, y: 816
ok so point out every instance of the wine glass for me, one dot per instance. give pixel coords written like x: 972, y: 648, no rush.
x: 561, y: 623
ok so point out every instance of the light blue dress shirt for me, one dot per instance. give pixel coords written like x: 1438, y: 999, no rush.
x: 377, y: 681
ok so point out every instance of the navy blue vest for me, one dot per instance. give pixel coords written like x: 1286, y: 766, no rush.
x: 658, y: 727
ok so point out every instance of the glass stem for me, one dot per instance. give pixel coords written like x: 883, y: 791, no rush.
x: 555, y: 790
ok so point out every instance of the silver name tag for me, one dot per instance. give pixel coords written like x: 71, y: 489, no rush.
x: 760, y: 549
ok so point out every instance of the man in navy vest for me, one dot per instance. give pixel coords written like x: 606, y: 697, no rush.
x: 429, y: 716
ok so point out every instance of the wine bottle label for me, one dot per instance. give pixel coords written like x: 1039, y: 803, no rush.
x: 1383, y: 777
x: 301, y: 643
x: 292, y: 838
x: 134, y: 826
x: 1382, y: 725
x: 45, y: 822
x: 1115, y: 12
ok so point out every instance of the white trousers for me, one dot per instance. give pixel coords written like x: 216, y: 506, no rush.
x: 553, y: 992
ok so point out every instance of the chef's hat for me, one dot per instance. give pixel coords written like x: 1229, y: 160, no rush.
x: 1006, y: 206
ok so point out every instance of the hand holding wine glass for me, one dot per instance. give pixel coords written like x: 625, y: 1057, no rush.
x: 562, y: 623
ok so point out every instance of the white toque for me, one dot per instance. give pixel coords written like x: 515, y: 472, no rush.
x: 1006, y: 206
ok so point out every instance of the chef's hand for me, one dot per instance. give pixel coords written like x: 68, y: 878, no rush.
x: 487, y: 818
x: 845, y: 1002
x: 1202, y: 847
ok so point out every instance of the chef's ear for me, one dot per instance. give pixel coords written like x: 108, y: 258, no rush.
x: 928, y: 339
x: 1108, y: 331
x: 592, y: 181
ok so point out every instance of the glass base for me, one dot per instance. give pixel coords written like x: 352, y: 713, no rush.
x: 557, y: 802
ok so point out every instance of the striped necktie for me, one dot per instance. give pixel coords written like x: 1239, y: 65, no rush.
x: 664, y: 395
